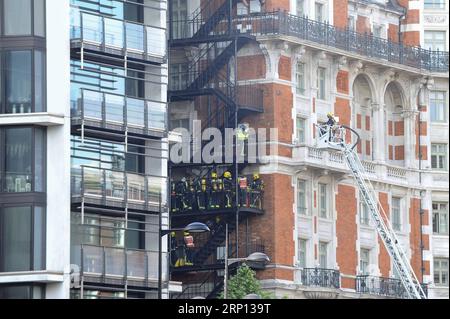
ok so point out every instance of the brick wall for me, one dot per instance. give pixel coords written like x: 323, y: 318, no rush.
x: 277, y: 114
x: 384, y: 261
x: 277, y: 224
x: 285, y: 68
x: 414, y: 236
x: 362, y: 25
x: 346, y: 209
x: 272, y: 5
x: 251, y: 67
x: 393, y: 32
x: 340, y: 11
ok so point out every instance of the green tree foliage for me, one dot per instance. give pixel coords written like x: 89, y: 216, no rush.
x: 244, y: 283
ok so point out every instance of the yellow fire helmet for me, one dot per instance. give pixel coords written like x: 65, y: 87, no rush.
x: 255, y: 176
x: 227, y: 174
x: 203, y: 181
x: 172, y: 234
x: 186, y: 233
x: 329, y: 114
x: 214, y: 175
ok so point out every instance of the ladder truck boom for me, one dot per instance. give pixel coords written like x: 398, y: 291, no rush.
x: 335, y: 137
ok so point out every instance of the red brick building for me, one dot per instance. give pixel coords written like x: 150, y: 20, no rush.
x: 357, y: 59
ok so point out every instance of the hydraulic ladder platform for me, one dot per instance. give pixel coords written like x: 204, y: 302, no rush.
x: 334, y: 137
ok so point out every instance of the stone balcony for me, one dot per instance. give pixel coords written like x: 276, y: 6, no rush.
x: 334, y: 162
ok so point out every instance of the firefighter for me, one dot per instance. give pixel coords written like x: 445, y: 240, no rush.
x: 173, y: 248
x: 228, y: 189
x: 190, y: 194
x: 214, y: 191
x: 182, y: 189
x: 173, y: 197
x: 257, y: 188
x: 243, y: 191
x: 242, y: 136
x: 189, y: 246
x: 330, y: 123
x: 201, y: 193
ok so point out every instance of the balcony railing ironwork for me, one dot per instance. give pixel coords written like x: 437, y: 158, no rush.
x: 389, y: 287
x: 118, y: 186
x: 114, y: 110
x: 283, y: 23
x: 115, y: 34
x: 320, y: 277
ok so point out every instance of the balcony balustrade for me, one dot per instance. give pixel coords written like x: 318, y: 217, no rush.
x: 283, y: 23
x: 118, y: 112
x: 117, y: 36
x: 118, y: 263
x: 118, y: 188
x: 389, y: 287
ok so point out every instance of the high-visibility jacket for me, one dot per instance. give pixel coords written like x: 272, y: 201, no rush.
x: 243, y: 183
x: 189, y: 241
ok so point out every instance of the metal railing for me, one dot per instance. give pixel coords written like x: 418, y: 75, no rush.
x: 117, y: 34
x: 115, y: 109
x: 389, y: 287
x: 283, y: 23
x: 121, y: 263
x: 320, y: 277
x: 105, y: 185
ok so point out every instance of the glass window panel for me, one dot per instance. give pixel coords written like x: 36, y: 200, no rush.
x: 39, y: 160
x: 15, y: 243
x: 156, y: 41
x: 114, y: 33
x: 135, y: 112
x: 114, y: 105
x: 18, y: 162
x: 135, y: 36
x: 18, y: 82
x: 15, y: 292
x: 323, y: 252
x: 38, y: 241
x: 157, y: 115
x: 300, y: 7
x: 39, y: 63
x: 17, y: 17
x: 302, y: 252
x: 92, y: 104
x: 301, y: 197
x: 39, y: 17
x: 92, y: 28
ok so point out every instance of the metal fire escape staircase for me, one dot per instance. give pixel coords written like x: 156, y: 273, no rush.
x: 209, y: 74
x: 336, y: 138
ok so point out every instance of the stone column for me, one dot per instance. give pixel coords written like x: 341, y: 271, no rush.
x: 409, y: 118
x: 379, y: 132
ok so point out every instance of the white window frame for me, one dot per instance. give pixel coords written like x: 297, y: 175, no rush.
x: 364, y: 216
x: 323, y: 15
x: 435, y: 44
x: 434, y: 4
x: 322, y: 78
x: 300, y: 79
x: 396, y: 213
x: 323, y: 252
x: 301, y: 211
x: 364, y: 263
x: 300, y: 132
x: 438, y: 106
x: 439, y: 151
x: 439, y: 271
x: 440, y: 214
x: 300, y: 8
x: 323, y: 200
x: 302, y: 251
